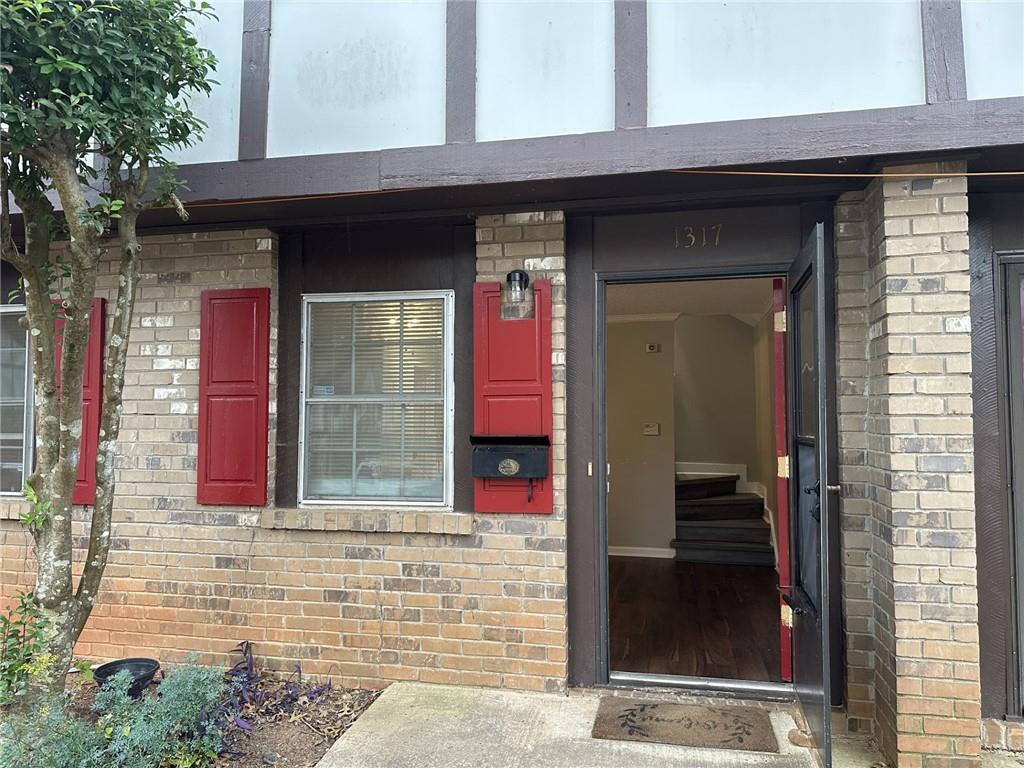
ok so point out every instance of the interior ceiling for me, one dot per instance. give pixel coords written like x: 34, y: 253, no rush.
x: 747, y: 299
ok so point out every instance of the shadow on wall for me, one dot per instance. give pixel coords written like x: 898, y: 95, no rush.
x: 641, y: 504
x: 714, y: 390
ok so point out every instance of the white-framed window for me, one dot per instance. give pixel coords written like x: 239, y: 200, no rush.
x: 15, y: 401
x: 377, y: 399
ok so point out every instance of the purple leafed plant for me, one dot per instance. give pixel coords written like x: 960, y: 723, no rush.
x: 252, y: 693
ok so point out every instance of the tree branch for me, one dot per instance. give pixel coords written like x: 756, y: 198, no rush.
x: 9, y: 250
x: 84, y: 248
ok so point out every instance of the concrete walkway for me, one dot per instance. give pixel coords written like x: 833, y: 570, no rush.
x: 1002, y: 759
x: 413, y: 725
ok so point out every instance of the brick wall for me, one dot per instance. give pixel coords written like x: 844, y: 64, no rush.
x: 366, y: 595
x: 909, y: 477
x: 373, y: 595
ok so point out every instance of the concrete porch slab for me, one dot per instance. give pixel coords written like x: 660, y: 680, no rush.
x: 997, y: 759
x: 414, y: 725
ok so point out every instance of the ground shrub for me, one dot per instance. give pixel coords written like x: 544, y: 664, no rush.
x: 21, y: 648
x: 50, y: 737
x: 174, y: 729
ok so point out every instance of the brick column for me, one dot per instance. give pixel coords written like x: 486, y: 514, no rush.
x: 921, y: 483
x: 852, y: 279
x: 535, y: 242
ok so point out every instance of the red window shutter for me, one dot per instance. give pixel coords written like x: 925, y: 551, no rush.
x: 234, y: 359
x: 92, y: 393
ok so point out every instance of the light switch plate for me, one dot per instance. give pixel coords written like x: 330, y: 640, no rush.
x: 652, y: 428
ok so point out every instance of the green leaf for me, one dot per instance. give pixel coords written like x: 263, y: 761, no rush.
x: 84, y: 668
x: 120, y: 72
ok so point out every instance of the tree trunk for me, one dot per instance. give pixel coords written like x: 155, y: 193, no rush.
x: 54, y: 588
x: 53, y: 539
x: 58, y: 416
x: 110, y: 415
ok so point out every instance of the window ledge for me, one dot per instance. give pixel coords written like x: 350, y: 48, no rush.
x: 12, y: 507
x: 369, y: 520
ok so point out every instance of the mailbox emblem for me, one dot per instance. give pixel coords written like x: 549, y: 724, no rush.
x: 508, y: 467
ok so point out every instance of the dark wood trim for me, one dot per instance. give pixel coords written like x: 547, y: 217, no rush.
x: 995, y: 569
x: 936, y: 127
x: 945, y: 75
x: 597, y: 196
x: 1011, y: 275
x: 602, y: 469
x: 460, y: 72
x: 582, y: 533
x: 286, y: 419
x: 255, y: 87
x: 630, y: 63
x: 994, y: 227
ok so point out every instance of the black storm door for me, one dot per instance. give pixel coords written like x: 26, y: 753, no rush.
x: 811, y: 490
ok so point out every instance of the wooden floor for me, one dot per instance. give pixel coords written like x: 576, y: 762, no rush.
x: 694, y: 619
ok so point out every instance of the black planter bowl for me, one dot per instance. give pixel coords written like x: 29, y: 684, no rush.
x: 142, y: 672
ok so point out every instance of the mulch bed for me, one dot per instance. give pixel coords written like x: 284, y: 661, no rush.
x: 297, y: 739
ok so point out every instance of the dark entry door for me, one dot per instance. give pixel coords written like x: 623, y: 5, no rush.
x: 812, y: 491
x: 1015, y: 358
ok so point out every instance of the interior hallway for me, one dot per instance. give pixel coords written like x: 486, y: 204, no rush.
x: 693, y: 619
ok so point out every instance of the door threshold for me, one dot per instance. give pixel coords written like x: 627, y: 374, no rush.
x: 752, y: 688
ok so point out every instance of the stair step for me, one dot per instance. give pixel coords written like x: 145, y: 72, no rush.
x: 734, y: 506
x: 686, y: 554
x: 733, y: 546
x: 748, y: 530
x: 723, y: 553
x: 703, y: 486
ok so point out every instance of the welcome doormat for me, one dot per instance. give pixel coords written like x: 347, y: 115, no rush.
x: 688, y: 725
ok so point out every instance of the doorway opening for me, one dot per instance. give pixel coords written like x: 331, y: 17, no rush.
x: 697, y: 516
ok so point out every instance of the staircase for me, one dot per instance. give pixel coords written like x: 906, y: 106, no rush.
x: 714, y: 524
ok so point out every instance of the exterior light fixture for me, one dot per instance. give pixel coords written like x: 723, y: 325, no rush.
x: 517, y: 281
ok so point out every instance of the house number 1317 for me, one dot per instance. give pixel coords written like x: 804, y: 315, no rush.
x: 704, y: 236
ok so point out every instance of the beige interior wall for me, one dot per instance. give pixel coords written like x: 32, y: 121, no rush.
x: 764, y: 469
x: 714, y: 390
x: 641, y: 505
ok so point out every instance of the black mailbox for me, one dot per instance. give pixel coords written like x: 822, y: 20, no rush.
x: 510, y: 456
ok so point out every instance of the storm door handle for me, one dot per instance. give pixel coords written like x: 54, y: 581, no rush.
x: 795, y: 604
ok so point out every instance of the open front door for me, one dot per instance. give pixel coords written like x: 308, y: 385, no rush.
x: 812, y: 491
x: 780, y: 417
